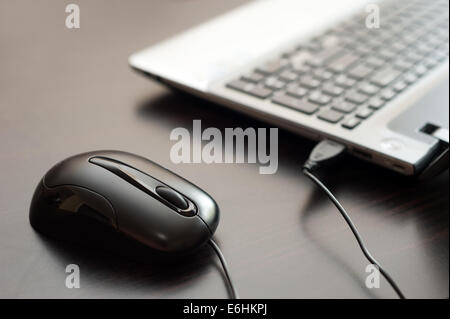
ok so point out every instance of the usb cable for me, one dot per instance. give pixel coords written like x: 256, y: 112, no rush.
x: 233, y: 291
x: 324, y: 152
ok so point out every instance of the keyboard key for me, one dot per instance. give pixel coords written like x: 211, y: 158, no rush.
x: 274, y: 84
x: 343, y: 106
x: 430, y: 62
x: 331, y: 116
x: 410, y: 78
x: 409, y: 39
x: 368, y: 88
x: 300, y: 57
x: 423, y: 49
x: 250, y: 88
x: 322, y: 74
x: 351, y: 123
x: 398, y: 47
x: 388, y: 94
x: 385, y: 76
x: 344, y: 81
x: 386, y: 38
x: 260, y: 92
x: 272, y: 67
x: 356, y: 97
x: 332, y: 90
x: 363, y: 49
x: 309, y: 82
x: 313, y: 46
x: 301, y: 68
x: 386, y: 54
x: 400, y: 86
x: 433, y: 41
x: 288, y: 76
x: 376, y: 103
x: 324, y: 56
x: 343, y: 63
x: 413, y: 57
x: 403, y: 65
x: 297, y: 91
x: 420, y: 70
x: 439, y: 56
x: 375, y: 62
x: 253, y: 77
x: 360, y: 71
x: 319, y: 98
x: 364, y: 113
x: 329, y: 41
x: 297, y: 104
x: 349, y: 42
x: 374, y: 43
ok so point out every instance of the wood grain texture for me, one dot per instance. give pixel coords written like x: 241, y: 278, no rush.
x: 64, y: 92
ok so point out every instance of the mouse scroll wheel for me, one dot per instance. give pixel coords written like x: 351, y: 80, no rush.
x: 172, y: 197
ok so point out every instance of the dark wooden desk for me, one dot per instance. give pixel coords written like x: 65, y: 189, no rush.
x: 67, y: 91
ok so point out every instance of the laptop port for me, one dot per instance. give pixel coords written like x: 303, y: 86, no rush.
x: 398, y: 167
x: 362, y: 153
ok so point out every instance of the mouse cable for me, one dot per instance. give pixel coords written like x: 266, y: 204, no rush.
x: 234, y: 294
x: 323, y: 152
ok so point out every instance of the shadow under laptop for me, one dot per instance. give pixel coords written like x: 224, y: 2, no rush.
x: 178, y: 109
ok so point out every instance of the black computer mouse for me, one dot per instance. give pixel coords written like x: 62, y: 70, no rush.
x: 128, y: 193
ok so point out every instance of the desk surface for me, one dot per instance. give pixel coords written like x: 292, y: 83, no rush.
x: 64, y: 92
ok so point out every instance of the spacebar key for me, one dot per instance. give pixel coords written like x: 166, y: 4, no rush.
x: 299, y: 105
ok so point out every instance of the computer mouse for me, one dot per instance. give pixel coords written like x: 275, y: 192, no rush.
x: 127, y: 193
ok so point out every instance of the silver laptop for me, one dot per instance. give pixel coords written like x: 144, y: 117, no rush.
x: 325, y: 69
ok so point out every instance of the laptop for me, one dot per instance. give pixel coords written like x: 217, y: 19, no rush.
x: 371, y: 75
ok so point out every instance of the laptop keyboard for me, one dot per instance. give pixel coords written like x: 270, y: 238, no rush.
x: 349, y: 72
